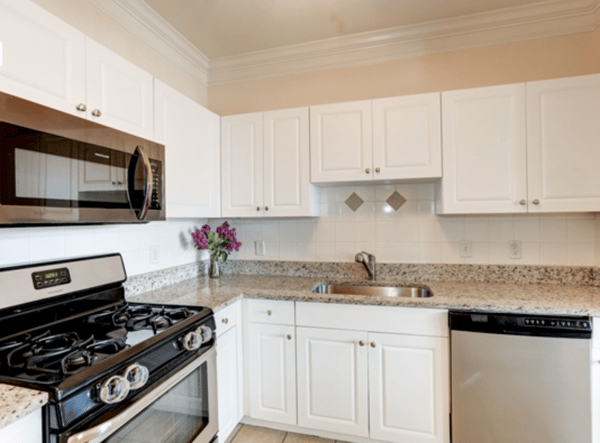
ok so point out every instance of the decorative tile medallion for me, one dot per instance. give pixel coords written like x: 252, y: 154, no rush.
x: 396, y: 200
x: 354, y: 201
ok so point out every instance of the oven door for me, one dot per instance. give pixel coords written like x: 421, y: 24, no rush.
x: 183, y: 409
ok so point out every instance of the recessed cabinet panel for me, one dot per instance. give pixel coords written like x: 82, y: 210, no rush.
x: 408, y: 388
x: 242, y: 165
x: 484, y: 150
x: 227, y: 381
x: 563, y: 135
x: 332, y: 381
x: 119, y: 93
x: 341, y: 142
x: 407, y: 137
x: 43, y: 58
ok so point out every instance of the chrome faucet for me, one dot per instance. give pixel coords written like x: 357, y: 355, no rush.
x: 369, y: 263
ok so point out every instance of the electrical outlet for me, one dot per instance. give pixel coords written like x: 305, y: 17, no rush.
x: 466, y: 248
x: 154, y: 254
x: 514, y: 249
x: 259, y: 248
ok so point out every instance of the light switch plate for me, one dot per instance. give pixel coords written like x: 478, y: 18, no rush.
x: 259, y: 248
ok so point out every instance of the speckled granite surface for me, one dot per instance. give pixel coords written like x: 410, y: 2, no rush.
x: 499, y: 297
x: 16, y: 403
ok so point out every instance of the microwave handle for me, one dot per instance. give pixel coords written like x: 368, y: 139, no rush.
x: 148, y: 181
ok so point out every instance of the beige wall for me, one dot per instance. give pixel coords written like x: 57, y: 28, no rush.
x: 535, y: 60
x: 93, y: 23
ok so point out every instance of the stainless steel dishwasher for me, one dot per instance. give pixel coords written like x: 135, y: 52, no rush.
x: 520, y: 378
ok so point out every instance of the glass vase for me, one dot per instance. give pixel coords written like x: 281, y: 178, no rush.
x: 213, y: 270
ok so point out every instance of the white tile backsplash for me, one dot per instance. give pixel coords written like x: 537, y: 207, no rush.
x: 416, y: 234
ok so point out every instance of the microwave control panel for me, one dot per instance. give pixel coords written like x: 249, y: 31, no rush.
x: 156, y: 166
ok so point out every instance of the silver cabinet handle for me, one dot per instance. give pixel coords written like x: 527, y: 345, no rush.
x: 289, y: 337
x: 368, y: 170
x: 269, y: 312
x: 96, y: 113
x: 373, y: 344
x: 258, y: 208
x: 82, y: 107
x: 536, y: 202
x: 377, y: 170
x: 266, y: 208
x: 225, y: 321
x: 523, y: 202
x: 361, y: 343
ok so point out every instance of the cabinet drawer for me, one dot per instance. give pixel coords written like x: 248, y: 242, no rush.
x: 226, y: 318
x: 391, y: 319
x: 268, y: 311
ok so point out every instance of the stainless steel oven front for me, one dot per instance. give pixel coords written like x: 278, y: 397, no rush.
x: 182, y: 409
x: 57, y: 168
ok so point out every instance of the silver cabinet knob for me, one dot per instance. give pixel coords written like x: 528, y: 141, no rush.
x: 266, y: 208
x: 523, y: 202
x: 289, y: 337
x: 82, y: 107
x: 96, y: 113
x: 258, y: 208
x: 373, y: 344
x: 225, y: 321
x: 377, y: 170
x: 536, y: 202
x: 269, y: 312
x: 361, y: 343
x: 368, y: 170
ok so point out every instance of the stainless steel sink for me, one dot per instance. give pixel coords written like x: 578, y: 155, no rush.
x: 373, y: 290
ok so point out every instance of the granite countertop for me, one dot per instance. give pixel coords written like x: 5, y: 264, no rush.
x: 498, y: 297
x: 17, y: 402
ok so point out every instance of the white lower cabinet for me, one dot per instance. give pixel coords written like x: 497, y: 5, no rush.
x: 26, y: 430
x: 229, y: 374
x: 408, y: 388
x: 332, y: 381
x: 272, y: 372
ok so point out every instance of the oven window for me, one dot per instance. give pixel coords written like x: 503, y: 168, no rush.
x: 179, y: 416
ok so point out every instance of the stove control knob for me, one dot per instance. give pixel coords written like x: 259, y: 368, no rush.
x: 205, y: 334
x: 137, y: 375
x: 114, y: 390
x: 191, y: 341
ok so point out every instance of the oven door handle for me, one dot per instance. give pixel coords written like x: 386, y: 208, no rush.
x: 104, y: 430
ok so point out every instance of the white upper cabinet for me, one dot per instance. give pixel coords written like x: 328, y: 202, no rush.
x: 484, y: 154
x: 42, y: 59
x: 563, y: 144
x: 242, y: 165
x: 265, y: 165
x: 407, y: 137
x: 119, y: 94
x: 341, y: 142
x: 191, y: 135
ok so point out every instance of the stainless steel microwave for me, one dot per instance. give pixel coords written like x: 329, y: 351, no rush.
x: 57, y: 168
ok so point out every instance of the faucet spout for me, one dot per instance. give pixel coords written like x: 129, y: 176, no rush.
x: 368, y: 261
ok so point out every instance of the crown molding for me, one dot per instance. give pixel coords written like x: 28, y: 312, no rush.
x: 528, y: 22
x: 145, y: 23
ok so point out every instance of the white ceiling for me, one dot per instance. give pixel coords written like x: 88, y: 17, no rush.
x: 223, y: 28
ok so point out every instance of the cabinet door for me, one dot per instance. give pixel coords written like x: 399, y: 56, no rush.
x: 227, y: 382
x: 42, y: 59
x: 242, y: 165
x: 341, y: 140
x: 409, y: 388
x: 26, y: 430
x: 484, y: 158
x: 287, y: 188
x: 407, y: 137
x: 191, y: 135
x: 332, y: 381
x: 272, y: 373
x: 119, y: 94
x: 563, y: 144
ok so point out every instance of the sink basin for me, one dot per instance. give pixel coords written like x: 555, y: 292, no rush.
x: 373, y: 290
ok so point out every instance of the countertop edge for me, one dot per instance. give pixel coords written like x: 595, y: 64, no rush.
x: 17, y: 402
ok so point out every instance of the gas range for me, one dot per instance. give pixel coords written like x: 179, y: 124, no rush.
x: 95, y: 354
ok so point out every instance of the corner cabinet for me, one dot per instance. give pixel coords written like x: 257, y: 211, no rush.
x: 191, y: 135
x: 265, y: 165
x: 395, y: 138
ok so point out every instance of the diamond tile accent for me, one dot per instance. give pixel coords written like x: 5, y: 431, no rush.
x: 354, y: 201
x: 396, y: 200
